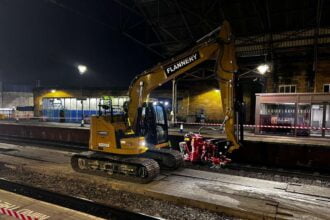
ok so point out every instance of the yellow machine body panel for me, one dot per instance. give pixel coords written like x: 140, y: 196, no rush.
x: 105, y: 137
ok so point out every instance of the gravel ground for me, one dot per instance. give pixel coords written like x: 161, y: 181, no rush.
x: 273, y: 175
x: 103, y: 194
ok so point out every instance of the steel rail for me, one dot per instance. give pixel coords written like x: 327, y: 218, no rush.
x: 306, y: 174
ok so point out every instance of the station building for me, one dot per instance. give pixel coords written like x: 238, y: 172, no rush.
x: 15, y: 100
x: 53, y: 104
x: 67, y: 104
x: 299, y: 101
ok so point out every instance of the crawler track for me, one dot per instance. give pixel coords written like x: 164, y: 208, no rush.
x: 82, y: 205
x: 134, y: 169
x: 167, y: 159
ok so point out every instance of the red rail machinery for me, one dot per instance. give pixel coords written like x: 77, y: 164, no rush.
x: 197, y: 149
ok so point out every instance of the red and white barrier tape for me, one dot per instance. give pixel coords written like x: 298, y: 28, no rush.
x: 195, y: 123
x: 258, y: 126
x: 15, y: 214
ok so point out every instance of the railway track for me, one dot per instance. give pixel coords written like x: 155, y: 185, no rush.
x: 268, y: 173
x: 53, y: 144
x: 74, y: 203
x: 307, y: 173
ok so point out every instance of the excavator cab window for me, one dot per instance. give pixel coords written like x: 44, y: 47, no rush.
x: 106, y: 109
x: 152, y: 123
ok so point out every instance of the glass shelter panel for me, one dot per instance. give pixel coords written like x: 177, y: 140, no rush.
x: 280, y: 117
x: 303, y: 119
x: 327, y: 120
x: 70, y: 109
x: 316, y: 119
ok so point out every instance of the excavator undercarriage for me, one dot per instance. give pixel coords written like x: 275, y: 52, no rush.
x: 128, y: 168
x: 140, y: 168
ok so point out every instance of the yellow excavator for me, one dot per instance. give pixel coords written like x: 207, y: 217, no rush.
x: 135, y: 146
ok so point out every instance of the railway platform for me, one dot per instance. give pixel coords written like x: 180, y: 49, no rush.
x: 283, y: 151
x: 249, y: 136
x: 15, y: 206
x: 236, y: 196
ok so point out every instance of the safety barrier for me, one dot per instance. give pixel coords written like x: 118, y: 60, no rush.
x: 43, y: 118
x: 15, y: 214
x: 256, y: 126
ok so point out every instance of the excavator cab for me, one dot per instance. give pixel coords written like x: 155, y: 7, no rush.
x: 152, y: 124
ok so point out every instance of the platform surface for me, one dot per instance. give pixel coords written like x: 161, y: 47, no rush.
x: 233, y: 195
x: 248, y: 135
x: 37, y: 209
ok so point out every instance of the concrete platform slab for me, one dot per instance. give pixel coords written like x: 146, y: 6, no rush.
x: 37, y: 209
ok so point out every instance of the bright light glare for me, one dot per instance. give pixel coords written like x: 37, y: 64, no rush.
x: 155, y: 103
x: 263, y: 68
x: 82, y: 69
x: 166, y: 103
x: 53, y: 90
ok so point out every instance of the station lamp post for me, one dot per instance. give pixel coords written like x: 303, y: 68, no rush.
x: 82, y: 70
x: 261, y: 69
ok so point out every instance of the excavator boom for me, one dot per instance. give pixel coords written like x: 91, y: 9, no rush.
x: 221, y: 49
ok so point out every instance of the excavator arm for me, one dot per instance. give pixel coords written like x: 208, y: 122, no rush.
x: 220, y: 49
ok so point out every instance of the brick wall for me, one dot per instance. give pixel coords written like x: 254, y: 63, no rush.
x: 201, y: 99
x: 299, y: 74
x: 301, y: 82
x: 322, y: 75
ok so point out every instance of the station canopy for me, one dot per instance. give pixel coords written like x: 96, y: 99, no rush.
x: 263, y: 29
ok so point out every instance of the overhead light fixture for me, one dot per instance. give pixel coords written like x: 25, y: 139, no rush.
x: 82, y: 69
x: 263, y: 68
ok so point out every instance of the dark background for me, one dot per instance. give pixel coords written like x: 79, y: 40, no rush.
x: 40, y: 40
x: 117, y: 39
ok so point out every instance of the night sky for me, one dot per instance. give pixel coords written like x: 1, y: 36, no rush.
x: 41, y: 41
